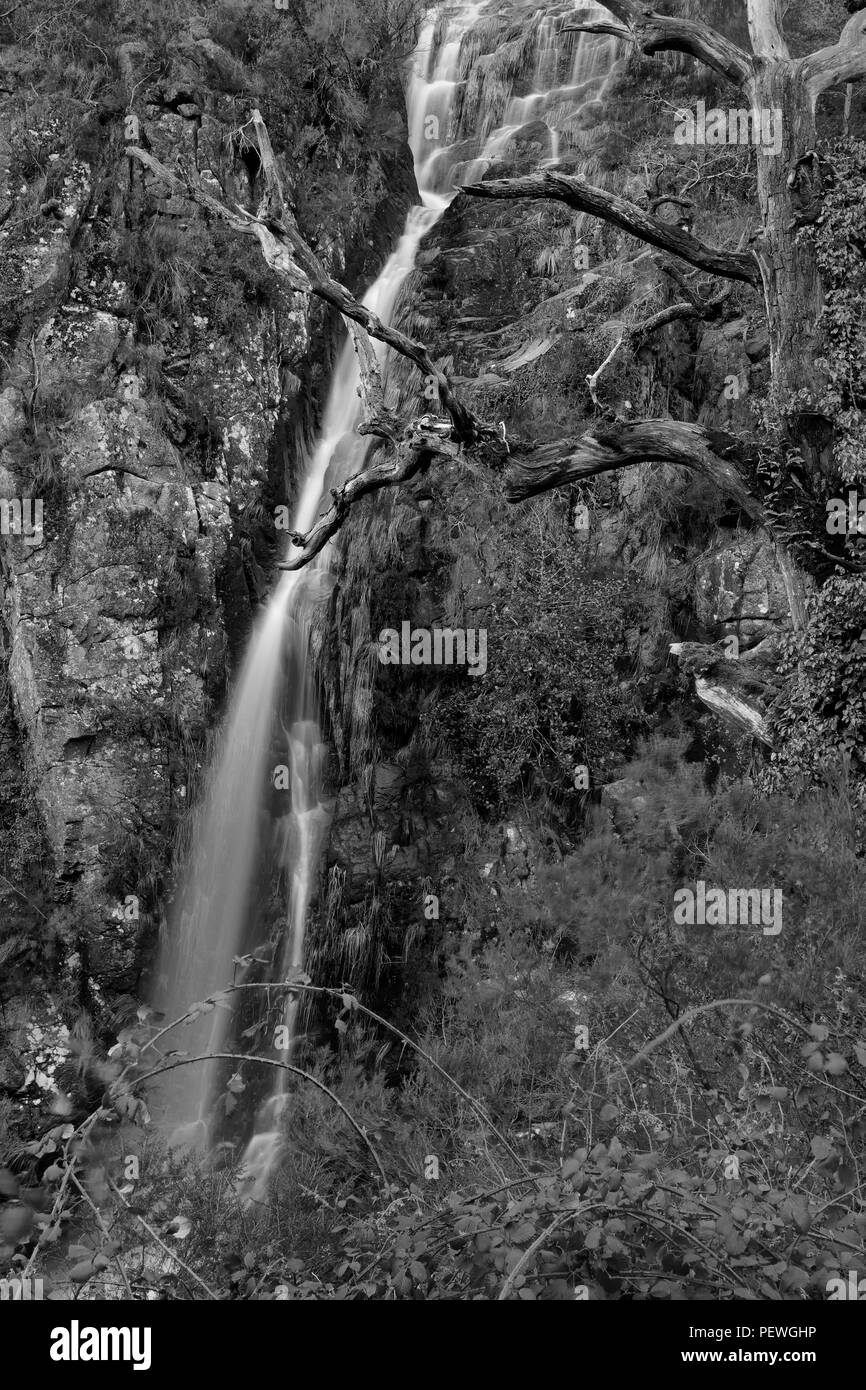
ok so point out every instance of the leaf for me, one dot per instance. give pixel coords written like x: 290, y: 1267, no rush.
x: 592, y: 1239
x: 647, y: 1161
x: 662, y: 1288
x: 80, y: 1273
x: 821, y: 1148
x: 204, y: 1006
x: 835, y: 1064
x: 525, y: 1231
x: 797, y: 1210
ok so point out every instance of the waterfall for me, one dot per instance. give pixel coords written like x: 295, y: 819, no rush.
x: 273, y: 705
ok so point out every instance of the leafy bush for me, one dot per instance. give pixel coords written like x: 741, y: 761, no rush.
x: 685, y: 1147
x: 555, y: 695
x: 819, y: 719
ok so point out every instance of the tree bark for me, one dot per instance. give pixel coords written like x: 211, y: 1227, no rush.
x: 657, y: 33
x: 577, y: 193
x: 793, y: 296
x: 716, y: 455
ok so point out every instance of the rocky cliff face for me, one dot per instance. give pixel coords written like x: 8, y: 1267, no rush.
x: 157, y: 388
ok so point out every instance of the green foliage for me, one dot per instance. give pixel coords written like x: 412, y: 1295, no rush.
x: 718, y: 1158
x: 555, y: 695
x: 820, y: 714
x: 840, y: 250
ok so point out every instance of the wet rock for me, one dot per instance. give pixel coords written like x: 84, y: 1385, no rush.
x: 625, y: 801
x: 739, y: 591
x: 11, y: 415
x: 722, y: 376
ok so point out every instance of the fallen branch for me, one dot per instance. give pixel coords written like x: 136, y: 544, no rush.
x: 592, y: 381
x: 559, y: 1220
x: 634, y: 334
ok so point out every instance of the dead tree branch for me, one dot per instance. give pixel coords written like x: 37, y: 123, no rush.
x: 717, y: 456
x: 657, y: 33
x: 425, y: 440
x: 289, y: 256
x: 839, y: 63
x: 577, y: 193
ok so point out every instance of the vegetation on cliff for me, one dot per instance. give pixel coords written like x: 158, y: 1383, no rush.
x: 523, y: 1075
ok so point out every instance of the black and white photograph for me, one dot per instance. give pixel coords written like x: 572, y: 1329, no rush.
x: 432, y: 670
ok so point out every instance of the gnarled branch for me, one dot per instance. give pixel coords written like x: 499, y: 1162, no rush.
x: 658, y: 33
x: 841, y: 62
x: 288, y: 254
x: 577, y: 193
x: 693, y: 309
x: 425, y: 439
x: 635, y: 334
x: 715, y: 455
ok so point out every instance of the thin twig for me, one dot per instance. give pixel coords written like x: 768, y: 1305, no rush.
x: 377, y: 1018
x: 270, y: 1062
x: 104, y: 1228
x: 690, y: 1014
x: 172, y: 1254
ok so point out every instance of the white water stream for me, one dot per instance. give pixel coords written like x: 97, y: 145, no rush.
x: 275, y: 690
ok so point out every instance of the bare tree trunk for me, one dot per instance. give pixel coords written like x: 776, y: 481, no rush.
x: 788, y: 183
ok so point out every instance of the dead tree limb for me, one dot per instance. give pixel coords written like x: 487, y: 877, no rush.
x: 715, y: 455
x: 657, y: 33
x: 425, y: 440
x: 839, y: 63
x: 635, y: 334
x: 593, y: 380
x: 577, y: 193
x: 289, y: 256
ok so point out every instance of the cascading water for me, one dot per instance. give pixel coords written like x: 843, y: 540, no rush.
x: 274, y: 702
